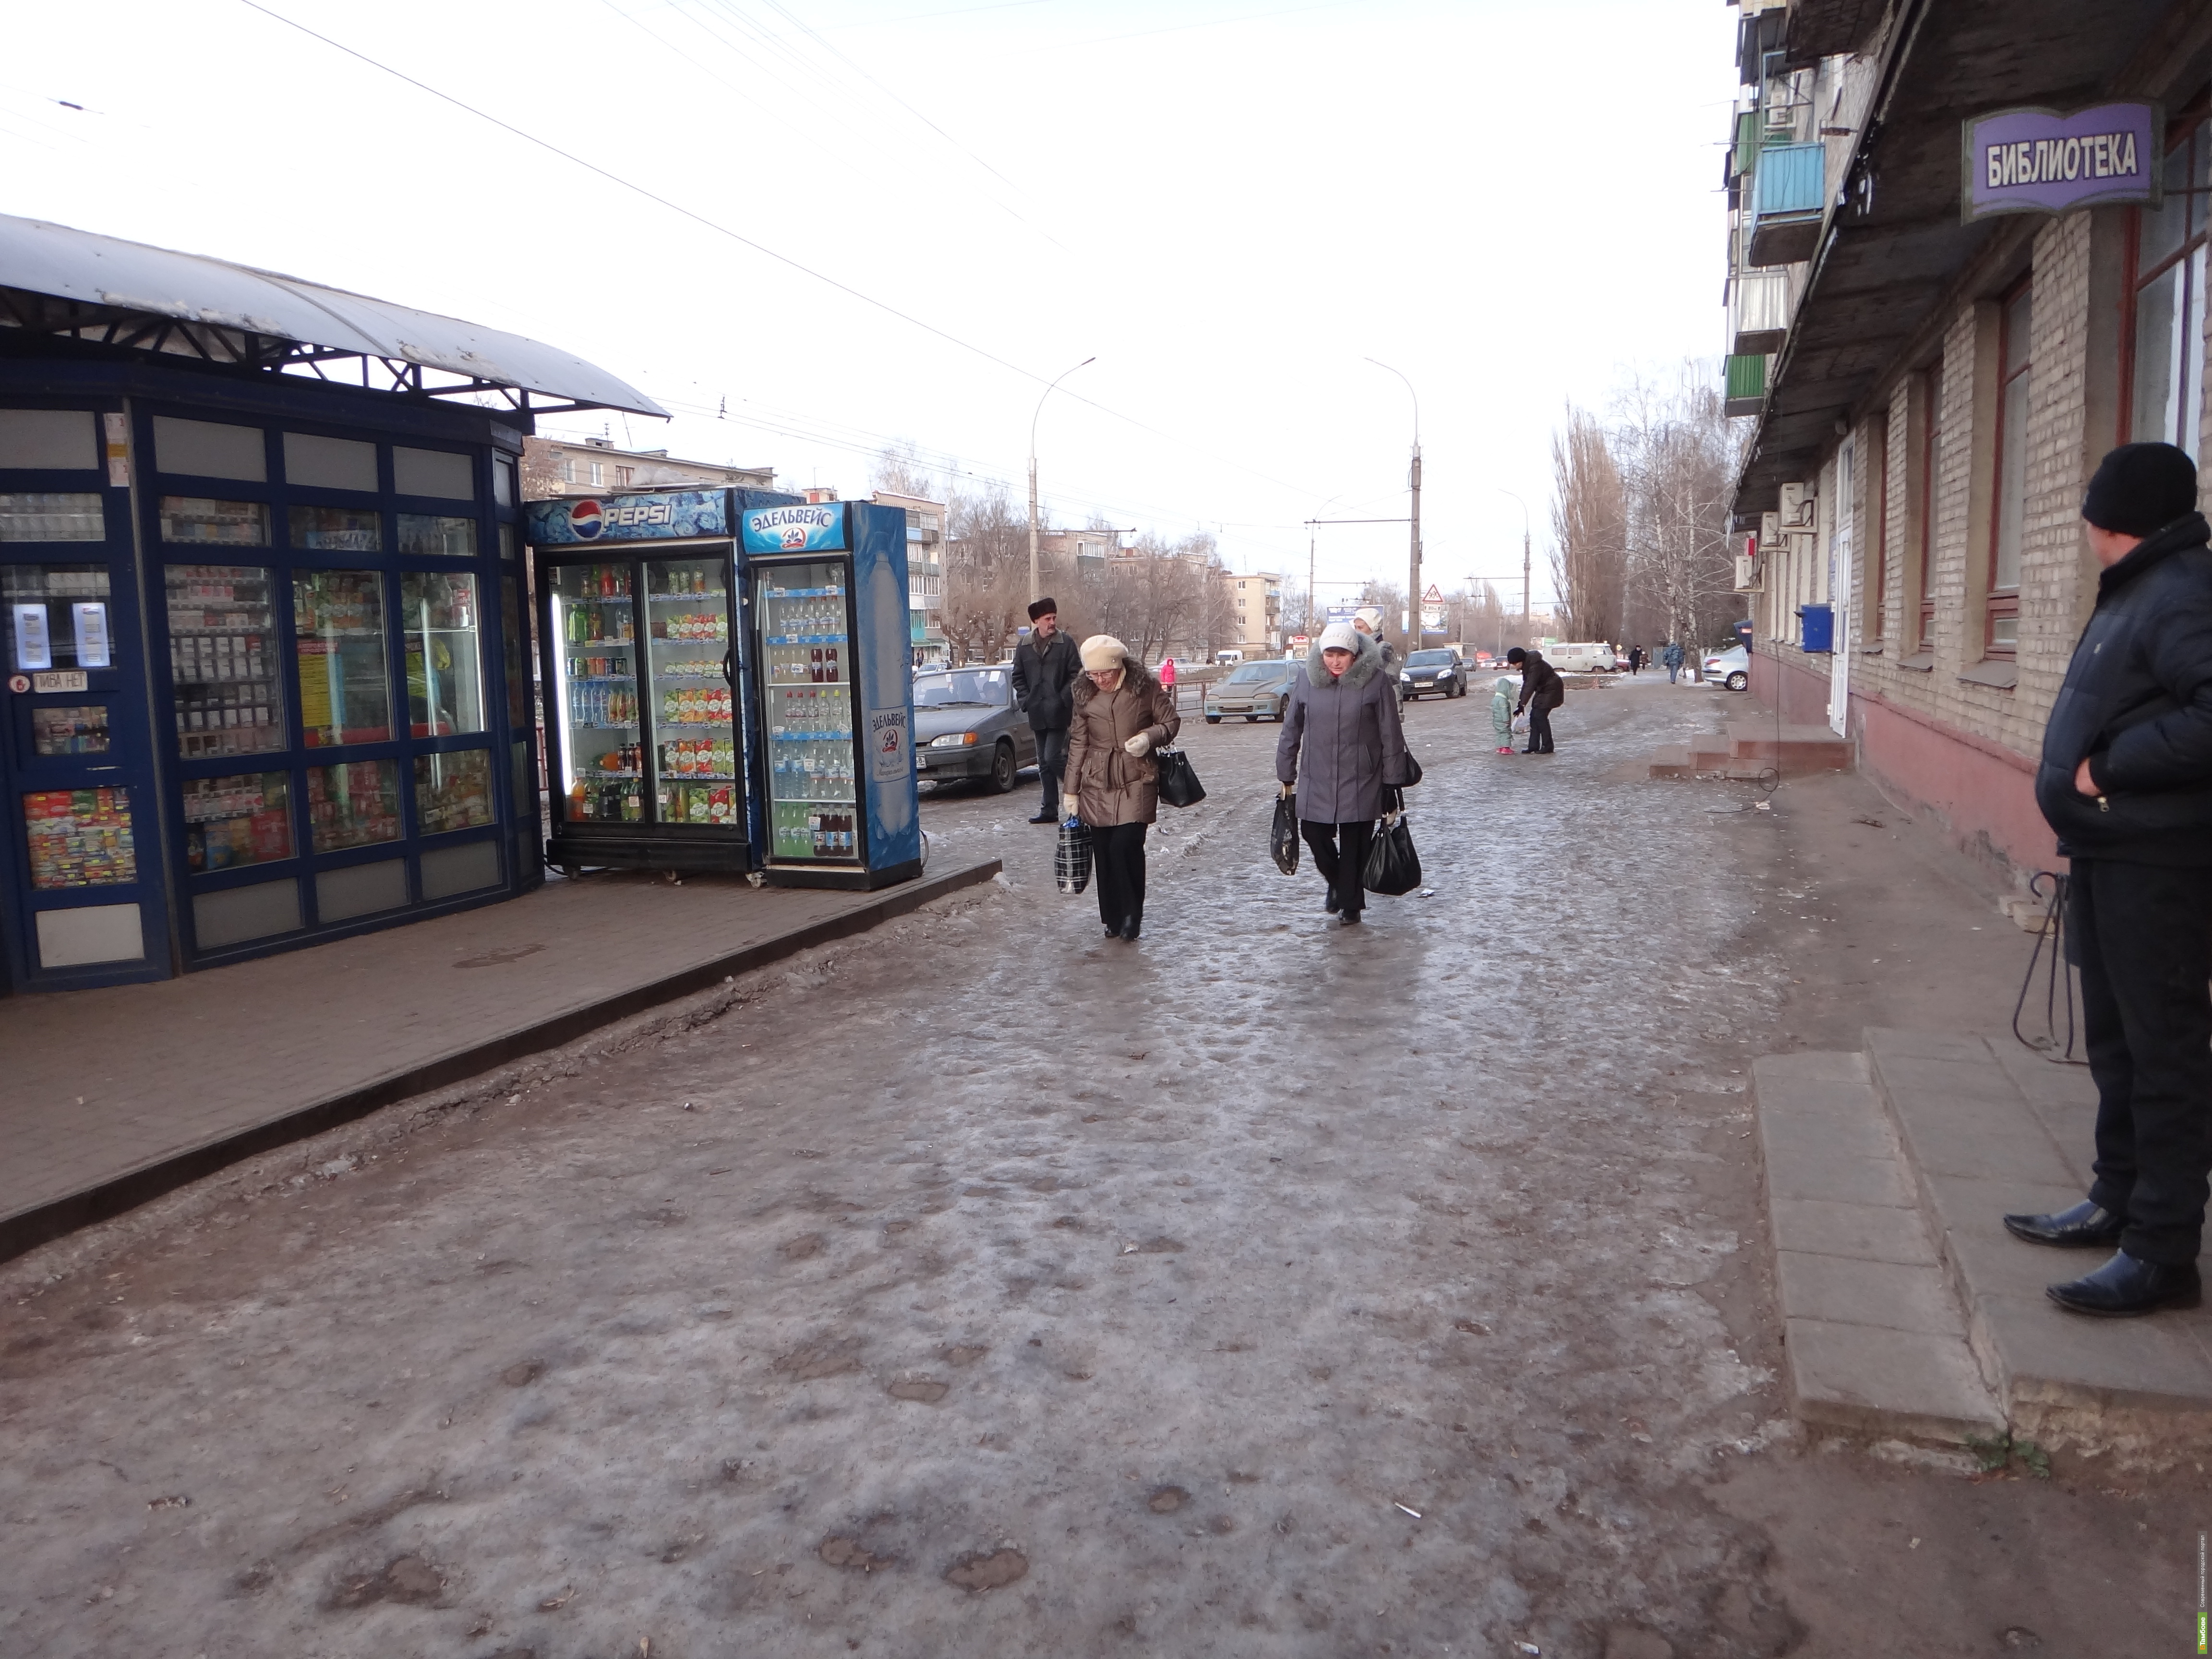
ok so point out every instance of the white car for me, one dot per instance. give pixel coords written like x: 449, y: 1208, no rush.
x: 1731, y: 668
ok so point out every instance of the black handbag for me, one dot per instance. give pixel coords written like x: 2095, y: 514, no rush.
x: 1071, y: 859
x: 1394, y: 868
x: 1413, y: 769
x: 1283, y: 839
x: 1179, y: 784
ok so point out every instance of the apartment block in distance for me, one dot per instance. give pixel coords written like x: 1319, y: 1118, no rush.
x: 1967, y: 258
x: 1256, y: 603
x: 553, y: 467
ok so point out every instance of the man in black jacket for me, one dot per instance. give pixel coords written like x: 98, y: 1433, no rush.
x: 1542, y: 691
x: 1045, y: 667
x: 2126, y: 781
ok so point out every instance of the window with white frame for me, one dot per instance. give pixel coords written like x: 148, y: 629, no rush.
x: 2166, y: 334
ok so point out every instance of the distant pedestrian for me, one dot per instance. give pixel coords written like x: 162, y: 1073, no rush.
x: 1542, y: 691
x: 1367, y: 619
x: 1501, y: 712
x: 1167, y: 680
x: 1341, y: 745
x: 1635, y: 659
x: 2126, y: 782
x: 1674, y: 657
x: 1045, y: 668
x: 1122, y: 714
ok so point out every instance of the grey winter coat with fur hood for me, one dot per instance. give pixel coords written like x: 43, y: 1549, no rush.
x: 1111, y: 785
x: 1341, y: 742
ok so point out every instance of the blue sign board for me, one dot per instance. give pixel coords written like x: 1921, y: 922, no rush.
x: 806, y: 528
x: 629, y: 518
x: 2040, y: 160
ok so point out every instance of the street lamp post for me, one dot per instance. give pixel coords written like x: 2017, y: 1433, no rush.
x: 1036, y: 587
x: 1413, y: 571
x: 1524, y: 560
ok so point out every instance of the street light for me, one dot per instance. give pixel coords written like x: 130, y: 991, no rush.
x: 1414, y: 576
x: 1524, y: 556
x: 1035, y: 588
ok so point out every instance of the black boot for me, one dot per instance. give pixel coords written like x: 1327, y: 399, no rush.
x: 2086, y: 1224
x: 1132, y: 925
x: 2123, y: 1287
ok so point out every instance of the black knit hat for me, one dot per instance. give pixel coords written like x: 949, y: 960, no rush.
x: 2141, y: 488
x: 1043, y: 608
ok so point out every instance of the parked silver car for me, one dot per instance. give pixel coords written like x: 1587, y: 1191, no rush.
x: 1257, y: 690
x: 969, y: 725
x: 1731, y: 668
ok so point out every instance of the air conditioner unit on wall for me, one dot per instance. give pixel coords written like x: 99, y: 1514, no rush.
x: 1801, y: 506
x: 1748, y: 575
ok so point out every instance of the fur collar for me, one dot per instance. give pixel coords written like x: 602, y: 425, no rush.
x: 1366, y: 663
x: 1134, y: 678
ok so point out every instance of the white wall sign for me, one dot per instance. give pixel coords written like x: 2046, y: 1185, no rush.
x: 91, y: 623
x: 33, y: 649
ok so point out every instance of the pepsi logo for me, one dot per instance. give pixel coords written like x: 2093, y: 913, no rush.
x: 585, y: 521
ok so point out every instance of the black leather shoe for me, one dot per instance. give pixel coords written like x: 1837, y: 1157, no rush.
x: 1335, y: 903
x: 2123, y: 1287
x: 1131, y: 926
x: 1113, y: 933
x: 1044, y: 817
x: 2085, y: 1224
x: 1350, y: 919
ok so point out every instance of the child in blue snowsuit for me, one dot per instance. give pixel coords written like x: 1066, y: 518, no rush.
x: 1501, y: 712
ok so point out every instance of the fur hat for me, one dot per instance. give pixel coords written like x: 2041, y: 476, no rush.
x: 1102, y: 651
x: 1340, y: 636
x: 2141, y: 488
x: 1043, y: 608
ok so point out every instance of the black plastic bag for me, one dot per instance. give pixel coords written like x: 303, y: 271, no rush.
x: 1179, y: 784
x: 1071, y: 859
x: 1393, y: 867
x: 1283, y: 839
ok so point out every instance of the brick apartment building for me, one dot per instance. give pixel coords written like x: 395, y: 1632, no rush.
x: 926, y: 523
x: 586, y: 466
x: 1256, y: 605
x: 1932, y: 390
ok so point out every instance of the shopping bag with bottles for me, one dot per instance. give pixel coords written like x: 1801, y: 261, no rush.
x: 1071, y: 859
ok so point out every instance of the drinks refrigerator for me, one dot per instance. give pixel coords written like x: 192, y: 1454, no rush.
x: 707, y: 705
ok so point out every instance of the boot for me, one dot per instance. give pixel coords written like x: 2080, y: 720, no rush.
x: 2124, y: 1287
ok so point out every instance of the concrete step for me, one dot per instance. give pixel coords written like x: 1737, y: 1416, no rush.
x: 1987, y: 1127
x: 1797, y: 748
x: 1705, y: 755
x: 1875, y: 1341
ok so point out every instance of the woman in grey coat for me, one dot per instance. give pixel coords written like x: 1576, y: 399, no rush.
x: 1341, y: 746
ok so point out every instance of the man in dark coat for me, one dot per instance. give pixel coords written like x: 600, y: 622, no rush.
x: 1045, y: 667
x: 2126, y: 782
x: 1542, y: 691
x: 1340, y: 747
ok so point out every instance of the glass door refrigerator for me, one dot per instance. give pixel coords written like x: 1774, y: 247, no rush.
x: 646, y: 750
x: 827, y: 600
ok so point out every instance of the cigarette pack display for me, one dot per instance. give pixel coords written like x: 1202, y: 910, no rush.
x: 246, y: 819
x: 226, y: 700
x: 79, y: 838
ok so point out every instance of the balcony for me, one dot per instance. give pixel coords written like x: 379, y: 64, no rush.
x: 1759, y: 312
x: 1790, y: 193
x: 1746, y: 393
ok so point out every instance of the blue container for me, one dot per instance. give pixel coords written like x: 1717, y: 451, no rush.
x: 1816, y: 628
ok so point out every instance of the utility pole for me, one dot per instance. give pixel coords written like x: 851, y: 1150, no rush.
x: 1413, y: 570
x: 1036, y: 587
x: 1525, y: 563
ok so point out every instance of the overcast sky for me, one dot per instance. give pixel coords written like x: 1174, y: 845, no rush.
x: 1230, y: 204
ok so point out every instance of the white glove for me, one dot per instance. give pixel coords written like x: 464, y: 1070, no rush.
x: 1139, y: 746
x: 1069, y: 806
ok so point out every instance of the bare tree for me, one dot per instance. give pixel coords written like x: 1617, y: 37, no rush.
x: 1677, y: 457
x: 986, y: 575
x: 899, y: 469
x: 1589, y: 531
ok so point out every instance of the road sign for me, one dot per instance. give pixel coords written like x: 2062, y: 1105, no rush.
x: 1434, y: 596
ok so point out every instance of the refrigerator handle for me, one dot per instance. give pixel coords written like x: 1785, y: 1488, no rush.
x: 727, y: 678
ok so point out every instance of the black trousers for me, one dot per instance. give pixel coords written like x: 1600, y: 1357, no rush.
x: 1539, y: 728
x: 1117, y: 868
x: 1052, y: 762
x: 1339, y: 853
x: 2142, y: 938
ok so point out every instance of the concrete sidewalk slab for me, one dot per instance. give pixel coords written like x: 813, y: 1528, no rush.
x: 116, y: 1096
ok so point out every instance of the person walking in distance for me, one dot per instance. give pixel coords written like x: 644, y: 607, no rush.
x: 1672, y: 657
x: 1635, y: 659
x: 1501, y: 712
x: 1122, y: 714
x: 2126, y: 781
x: 1341, y: 745
x: 1167, y: 672
x: 1045, y: 668
x: 1367, y: 619
x: 1542, y: 691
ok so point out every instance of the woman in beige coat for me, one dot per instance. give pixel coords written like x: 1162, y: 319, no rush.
x: 1122, y: 714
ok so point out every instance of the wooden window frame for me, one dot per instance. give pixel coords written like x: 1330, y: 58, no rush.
x: 1922, y: 612
x: 2182, y: 132
x: 2001, y: 603
x: 1876, y: 565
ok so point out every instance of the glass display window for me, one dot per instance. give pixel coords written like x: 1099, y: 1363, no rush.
x: 337, y: 529
x: 189, y: 519
x: 695, y: 744
x: 222, y: 661
x: 353, y: 804
x: 56, y: 616
x: 806, y: 664
x: 337, y: 626
x: 79, y: 838
x: 428, y: 535
x: 594, y: 697
x: 452, y: 792
x: 445, y: 664
x: 76, y: 730
x: 46, y: 516
x: 245, y: 819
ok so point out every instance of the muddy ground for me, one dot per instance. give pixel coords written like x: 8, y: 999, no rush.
x: 983, y: 1287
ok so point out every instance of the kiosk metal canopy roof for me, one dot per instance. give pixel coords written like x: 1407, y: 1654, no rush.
x: 60, y: 281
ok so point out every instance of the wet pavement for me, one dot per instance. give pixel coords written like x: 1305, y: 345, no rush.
x: 986, y: 1287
